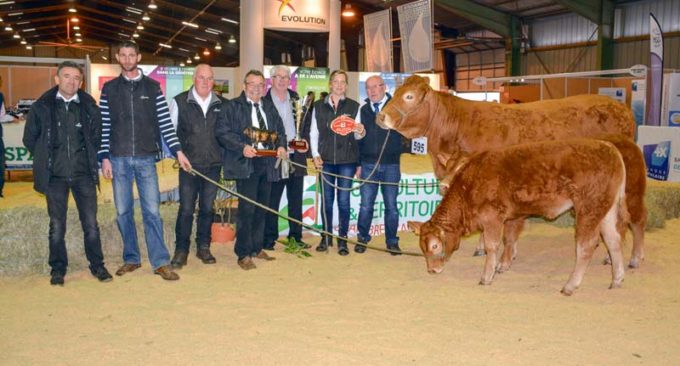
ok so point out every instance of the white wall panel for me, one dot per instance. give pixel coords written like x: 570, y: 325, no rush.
x: 563, y: 29
x: 634, y: 18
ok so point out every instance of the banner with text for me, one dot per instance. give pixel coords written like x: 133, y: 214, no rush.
x: 415, y: 26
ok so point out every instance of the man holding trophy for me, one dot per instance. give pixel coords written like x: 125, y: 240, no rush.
x: 295, y: 114
x: 252, y: 136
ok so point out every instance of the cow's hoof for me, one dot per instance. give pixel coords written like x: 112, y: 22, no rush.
x: 615, y: 285
x: 634, y: 263
x: 567, y: 292
x: 479, y: 253
x: 607, y: 261
x: 484, y: 282
x: 502, y: 268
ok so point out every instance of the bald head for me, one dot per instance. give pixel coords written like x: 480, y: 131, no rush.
x: 203, y: 80
x: 375, y: 88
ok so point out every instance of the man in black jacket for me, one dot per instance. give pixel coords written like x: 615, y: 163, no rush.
x: 253, y: 173
x: 195, y: 113
x: 63, y: 133
x: 283, y: 98
x: 376, y: 142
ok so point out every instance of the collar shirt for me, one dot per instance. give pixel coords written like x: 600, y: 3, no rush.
x: 253, y: 117
x: 381, y: 104
x: 285, y: 110
x: 204, y: 103
x: 73, y: 98
x: 136, y: 78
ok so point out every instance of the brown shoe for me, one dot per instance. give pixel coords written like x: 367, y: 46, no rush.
x: 127, y: 267
x: 263, y: 255
x: 166, y: 273
x: 246, y: 263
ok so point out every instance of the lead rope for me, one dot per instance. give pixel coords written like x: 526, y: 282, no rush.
x: 310, y: 227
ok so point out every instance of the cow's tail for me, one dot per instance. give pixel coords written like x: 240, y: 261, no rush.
x: 622, y: 216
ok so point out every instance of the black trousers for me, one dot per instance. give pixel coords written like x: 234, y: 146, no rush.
x: 294, y: 187
x: 85, y: 195
x: 192, y: 188
x: 250, y: 221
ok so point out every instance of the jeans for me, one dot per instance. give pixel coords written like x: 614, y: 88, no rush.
x: 191, y: 188
x: 388, y: 173
x: 346, y: 170
x: 142, y: 170
x: 250, y: 221
x: 294, y: 187
x: 85, y: 195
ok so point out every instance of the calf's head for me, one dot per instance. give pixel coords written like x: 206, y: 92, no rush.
x: 436, y: 244
x: 407, y: 111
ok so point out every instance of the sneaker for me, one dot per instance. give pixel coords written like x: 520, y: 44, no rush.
x: 102, y: 274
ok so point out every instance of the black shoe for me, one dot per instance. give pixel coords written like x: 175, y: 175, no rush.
x: 324, y: 244
x: 179, y: 260
x: 269, y: 247
x: 102, y: 274
x: 394, y: 249
x: 205, y: 256
x: 359, y: 248
x: 342, y: 248
x: 57, y: 279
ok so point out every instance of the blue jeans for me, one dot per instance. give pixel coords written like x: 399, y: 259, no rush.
x: 389, y: 173
x: 142, y: 170
x: 346, y: 170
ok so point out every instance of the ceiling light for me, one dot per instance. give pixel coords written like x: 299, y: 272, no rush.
x: 105, y: 58
x: 197, y: 57
x: 28, y: 30
x: 78, y: 34
x: 189, y: 61
x: 123, y: 35
x: 218, y: 46
x: 8, y: 28
x: 22, y: 23
x: 15, y: 14
x: 229, y: 21
x: 79, y: 39
x: 1, y: 20
x: 16, y: 35
x: 192, y: 25
x: 72, y: 10
x: 201, y: 39
x: 348, y: 11
x: 145, y: 17
x: 129, y: 21
x: 140, y: 26
x: 165, y: 45
x: 75, y: 27
x: 6, y: 2
x: 181, y: 64
x: 75, y: 19
x: 206, y: 52
x: 182, y: 49
x: 29, y: 47
x: 23, y: 41
x: 213, y: 31
x: 135, y: 35
x: 133, y: 10
x: 232, y: 39
x: 152, y: 5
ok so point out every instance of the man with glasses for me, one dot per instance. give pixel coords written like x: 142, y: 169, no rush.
x: 386, y: 170
x: 253, y: 173
x: 281, y: 96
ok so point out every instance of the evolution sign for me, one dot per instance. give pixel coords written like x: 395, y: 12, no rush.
x: 297, y: 15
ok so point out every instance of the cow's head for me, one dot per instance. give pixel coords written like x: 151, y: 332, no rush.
x: 436, y: 243
x: 407, y: 111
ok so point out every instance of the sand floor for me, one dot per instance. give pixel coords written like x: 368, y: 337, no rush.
x: 370, y: 309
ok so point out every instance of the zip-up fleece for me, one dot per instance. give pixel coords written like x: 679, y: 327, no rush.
x: 135, y: 116
x: 196, y: 132
x: 334, y: 148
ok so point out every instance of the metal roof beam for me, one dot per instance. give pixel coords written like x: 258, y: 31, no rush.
x: 600, y: 12
x: 488, y: 18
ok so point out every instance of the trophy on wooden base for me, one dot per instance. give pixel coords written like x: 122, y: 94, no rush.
x: 264, y: 137
x: 300, y: 108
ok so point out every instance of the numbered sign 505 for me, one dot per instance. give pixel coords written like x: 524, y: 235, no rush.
x: 419, y: 146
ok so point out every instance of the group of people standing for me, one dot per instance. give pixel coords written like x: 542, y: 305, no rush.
x: 69, y: 136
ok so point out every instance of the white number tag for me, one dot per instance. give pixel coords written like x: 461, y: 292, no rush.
x: 419, y: 146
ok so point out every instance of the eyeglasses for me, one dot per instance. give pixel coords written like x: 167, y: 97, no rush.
x: 281, y: 77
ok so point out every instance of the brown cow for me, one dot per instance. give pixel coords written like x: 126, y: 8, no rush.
x: 636, y: 185
x: 457, y: 127
x: 502, y: 187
